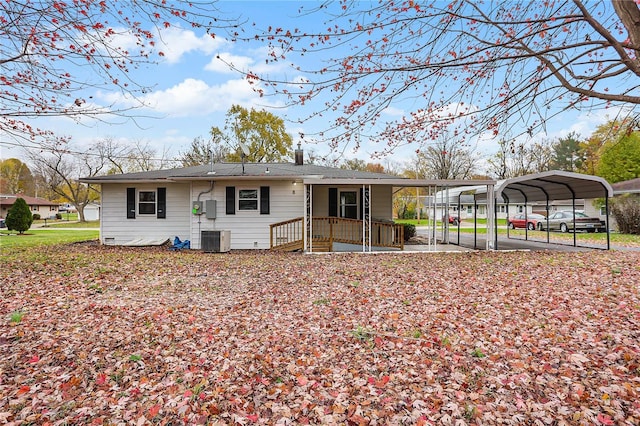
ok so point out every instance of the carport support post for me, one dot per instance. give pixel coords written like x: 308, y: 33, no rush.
x: 547, y: 219
x: 606, y: 223
x: 492, y: 223
x: 475, y: 222
x: 573, y: 205
x: 459, y: 218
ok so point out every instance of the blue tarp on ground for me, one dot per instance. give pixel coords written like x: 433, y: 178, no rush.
x: 178, y: 245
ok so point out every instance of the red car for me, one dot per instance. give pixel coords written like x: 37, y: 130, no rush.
x: 530, y: 221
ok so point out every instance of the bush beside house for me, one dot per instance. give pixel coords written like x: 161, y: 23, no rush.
x: 626, y: 211
x: 19, y: 217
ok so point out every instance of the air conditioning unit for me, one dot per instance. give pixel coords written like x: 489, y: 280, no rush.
x: 215, y: 241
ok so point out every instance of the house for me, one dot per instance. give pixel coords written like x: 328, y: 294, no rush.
x: 287, y: 206
x: 45, y: 208
x: 631, y: 186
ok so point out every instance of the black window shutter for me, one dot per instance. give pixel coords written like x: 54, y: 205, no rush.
x: 333, y: 202
x: 231, y: 200
x: 162, y: 203
x: 264, y: 200
x: 131, y: 203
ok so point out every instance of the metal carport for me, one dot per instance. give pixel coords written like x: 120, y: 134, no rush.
x: 550, y: 186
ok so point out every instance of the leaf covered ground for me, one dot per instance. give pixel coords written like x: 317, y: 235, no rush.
x: 104, y: 335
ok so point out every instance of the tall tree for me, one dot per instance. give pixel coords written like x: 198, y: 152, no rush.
x: 620, y: 160
x: 361, y: 165
x: 54, y: 55
x: 487, y: 66
x: 204, y: 151
x: 566, y: 153
x: 261, y: 132
x: 60, y: 171
x: 518, y: 159
x: 591, y: 149
x: 16, y: 178
x: 446, y: 158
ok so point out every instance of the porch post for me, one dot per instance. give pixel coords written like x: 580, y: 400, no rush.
x: 308, y: 220
x: 364, y: 219
x: 368, y: 210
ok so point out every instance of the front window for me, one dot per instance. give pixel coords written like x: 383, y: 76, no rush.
x: 147, y: 202
x: 248, y: 199
x: 349, y: 204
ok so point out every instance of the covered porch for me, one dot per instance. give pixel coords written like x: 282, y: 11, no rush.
x: 366, y: 225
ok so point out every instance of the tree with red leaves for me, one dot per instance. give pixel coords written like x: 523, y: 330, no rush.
x: 463, y: 67
x: 52, y: 51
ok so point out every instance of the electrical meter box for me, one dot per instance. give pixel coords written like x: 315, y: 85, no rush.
x: 196, y: 207
x: 210, y: 208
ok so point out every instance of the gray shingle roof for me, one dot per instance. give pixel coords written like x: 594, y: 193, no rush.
x: 229, y: 170
x: 627, y: 186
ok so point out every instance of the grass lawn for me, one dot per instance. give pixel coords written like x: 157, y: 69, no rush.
x: 615, y: 237
x: 465, y: 222
x: 43, y: 237
x: 64, y: 224
x: 113, y: 335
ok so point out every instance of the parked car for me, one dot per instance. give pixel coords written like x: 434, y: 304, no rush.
x: 453, y: 219
x: 67, y: 208
x: 563, y: 221
x: 530, y: 221
x: 2, y: 223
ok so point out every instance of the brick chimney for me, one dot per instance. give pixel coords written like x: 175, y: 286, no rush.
x: 299, y: 155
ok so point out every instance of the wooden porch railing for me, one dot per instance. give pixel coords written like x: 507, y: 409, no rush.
x: 289, y: 235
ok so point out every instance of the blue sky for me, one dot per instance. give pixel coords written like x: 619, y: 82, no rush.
x: 193, y: 90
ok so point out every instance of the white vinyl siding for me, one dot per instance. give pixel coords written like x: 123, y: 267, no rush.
x: 116, y: 229
x: 249, y: 229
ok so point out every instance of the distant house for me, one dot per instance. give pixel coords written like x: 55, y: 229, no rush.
x: 626, y: 187
x: 44, y: 208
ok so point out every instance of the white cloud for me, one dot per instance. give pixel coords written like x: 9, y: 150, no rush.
x: 175, y: 42
x: 393, y: 111
x: 257, y: 61
x: 194, y: 97
x: 219, y: 63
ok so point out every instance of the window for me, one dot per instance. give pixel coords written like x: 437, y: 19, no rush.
x: 469, y: 209
x: 248, y: 199
x: 349, y: 204
x: 147, y: 202
x: 480, y: 209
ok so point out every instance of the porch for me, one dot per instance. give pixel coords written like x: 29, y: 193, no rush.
x: 324, y: 233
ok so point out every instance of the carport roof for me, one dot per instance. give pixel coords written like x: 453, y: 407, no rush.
x: 551, y: 185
